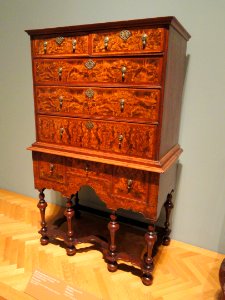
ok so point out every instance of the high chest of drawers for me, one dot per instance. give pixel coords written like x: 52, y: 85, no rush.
x: 107, y: 109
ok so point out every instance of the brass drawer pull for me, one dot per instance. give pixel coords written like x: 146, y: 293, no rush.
x: 120, y: 138
x: 106, y: 42
x: 74, y: 43
x: 60, y: 102
x: 51, y: 168
x: 122, y: 102
x: 129, y: 184
x: 60, y: 72
x: 45, y: 46
x: 86, y: 167
x: 61, y: 130
x: 144, y: 40
x: 123, y: 70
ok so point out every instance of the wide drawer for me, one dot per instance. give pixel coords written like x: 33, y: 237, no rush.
x: 113, y: 137
x: 129, y: 41
x: 130, y: 104
x: 71, y: 45
x: 141, y: 71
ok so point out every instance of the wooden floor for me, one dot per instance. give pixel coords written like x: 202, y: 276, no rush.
x: 181, y: 271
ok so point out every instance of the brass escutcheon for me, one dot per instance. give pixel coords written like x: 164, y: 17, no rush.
x: 89, y: 64
x: 89, y: 93
x: 59, y: 40
x: 89, y: 125
x: 125, y: 34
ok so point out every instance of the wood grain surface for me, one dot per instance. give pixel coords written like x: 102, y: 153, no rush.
x: 111, y: 183
x: 136, y: 139
x: 108, y: 103
x: 142, y: 71
x: 66, y: 47
x: 134, y: 44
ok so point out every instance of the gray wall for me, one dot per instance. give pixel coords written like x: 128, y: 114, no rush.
x: 199, y: 214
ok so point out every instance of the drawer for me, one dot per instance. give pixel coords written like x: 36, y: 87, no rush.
x: 96, y: 175
x: 129, y: 104
x: 126, y: 41
x: 123, y: 138
x: 141, y: 71
x: 88, y: 169
x: 130, y: 184
x: 51, y: 167
x: 72, y: 45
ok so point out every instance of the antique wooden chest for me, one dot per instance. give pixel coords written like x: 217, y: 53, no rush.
x: 107, y: 109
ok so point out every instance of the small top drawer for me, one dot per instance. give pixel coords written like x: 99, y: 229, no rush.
x: 125, y: 41
x: 70, y: 45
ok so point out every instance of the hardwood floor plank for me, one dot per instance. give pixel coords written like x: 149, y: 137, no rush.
x: 182, y: 271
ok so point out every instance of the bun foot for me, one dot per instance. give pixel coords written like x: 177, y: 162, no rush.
x: 147, y: 279
x: 44, y: 240
x: 71, y: 251
x: 112, y: 266
x: 166, y: 241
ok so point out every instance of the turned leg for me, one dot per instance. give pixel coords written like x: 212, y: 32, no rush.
x: 76, y: 207
x: 42, y: 204
x: 222, y: 279
x: 113, y: 226
x: 168, y: 206
x: 69, y: 213
x: 147, y: 264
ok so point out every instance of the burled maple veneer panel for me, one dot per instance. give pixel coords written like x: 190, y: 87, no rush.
x: 129, y: 41
x: 117, y: 186
x: 142, y: 71
x: 130, y: 104
x: 59, y: 45
x: 116, y: 137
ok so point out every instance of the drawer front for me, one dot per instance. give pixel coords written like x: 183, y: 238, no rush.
x: 130, y: 104
x: 72, y: 45
x: 125, y: 41
x: 123, y: 138
x: 130, y: 184
x: 51, y: 167
x: 129, y: 71
x: 88, y: 169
